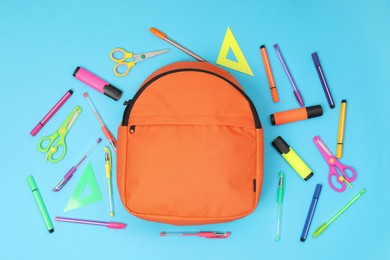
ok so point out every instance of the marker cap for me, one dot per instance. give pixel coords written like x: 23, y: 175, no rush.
x: 314, y: 111
x: 281, y: 145
x: 32, y: 183
x: 315, y: 59
x: 36, y: 129
x: 317, y: 191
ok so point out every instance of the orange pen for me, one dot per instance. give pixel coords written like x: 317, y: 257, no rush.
x: 268, y: 70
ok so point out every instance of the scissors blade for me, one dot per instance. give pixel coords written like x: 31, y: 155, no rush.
x: 322, y: 146
x: 146, y: 55
x: 73, y: 118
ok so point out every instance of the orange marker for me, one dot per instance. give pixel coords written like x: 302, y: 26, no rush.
x: 296, y: 115
x: 268, y: 70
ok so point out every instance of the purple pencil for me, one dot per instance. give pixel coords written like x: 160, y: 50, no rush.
x: 72, y: 170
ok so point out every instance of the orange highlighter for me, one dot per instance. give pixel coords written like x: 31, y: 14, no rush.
x: 293, y: 115
x: 268, y: 70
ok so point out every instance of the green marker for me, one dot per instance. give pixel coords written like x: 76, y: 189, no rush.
x: 41, y: 204
x: 324, y: 226
x: 280, y: 201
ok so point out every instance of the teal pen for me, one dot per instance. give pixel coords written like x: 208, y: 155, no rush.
x: 41, y: 204
x: 280, y: 201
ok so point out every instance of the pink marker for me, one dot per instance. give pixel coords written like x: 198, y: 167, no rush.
x: 97, y: 83
x: 115, y: 225
x: 51, y: 113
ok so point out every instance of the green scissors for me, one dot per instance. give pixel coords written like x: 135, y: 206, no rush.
x: 123, y: 62
x: 46, y: 144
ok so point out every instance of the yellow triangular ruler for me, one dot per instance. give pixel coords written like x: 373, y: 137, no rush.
x: 229, y: 42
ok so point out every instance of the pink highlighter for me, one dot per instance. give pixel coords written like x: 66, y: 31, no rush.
x: 97, y: 83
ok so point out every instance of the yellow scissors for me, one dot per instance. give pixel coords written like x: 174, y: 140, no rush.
x: 46, y: 144
x: 126, y: 60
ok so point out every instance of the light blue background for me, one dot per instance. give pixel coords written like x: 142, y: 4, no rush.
x: 41, y: 44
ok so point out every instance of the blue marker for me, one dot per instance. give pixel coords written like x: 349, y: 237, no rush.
x: 310, y: 214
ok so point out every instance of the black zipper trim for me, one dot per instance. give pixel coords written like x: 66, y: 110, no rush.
x: 129, y: 107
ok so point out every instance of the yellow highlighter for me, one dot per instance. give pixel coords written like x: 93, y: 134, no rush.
x: 292, y: 158
x: 108, y: 165
x: 340, y: 135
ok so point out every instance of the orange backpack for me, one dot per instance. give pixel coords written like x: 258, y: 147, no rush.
x: 190, y: 148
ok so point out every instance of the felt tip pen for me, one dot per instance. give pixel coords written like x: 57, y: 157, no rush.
x: 324, y: 226
x: 41, y: 204
x: 310, y: 214
x: 51, y: 113
x: 112, y: 225
x: 290, y: 78
x: 279, y: 199
x: 72, y: 170
x: 340, y: 134
x: 292, y: 158
x: 270, y: 76
x: 294, y: 115
x: 324, y: 84
x: 97, y: 83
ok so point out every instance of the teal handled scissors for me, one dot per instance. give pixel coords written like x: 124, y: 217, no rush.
x: 55, y: 142
x: 126, y: 60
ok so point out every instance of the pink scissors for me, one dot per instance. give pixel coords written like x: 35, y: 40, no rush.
x: 333, y: 164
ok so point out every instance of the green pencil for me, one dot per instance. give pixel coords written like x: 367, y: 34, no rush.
x: 324, y: 226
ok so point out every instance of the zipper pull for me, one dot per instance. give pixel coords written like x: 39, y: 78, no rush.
x: 127, y: 102
x: 132, y: 129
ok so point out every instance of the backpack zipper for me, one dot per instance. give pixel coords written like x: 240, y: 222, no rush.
x: 130, y: 103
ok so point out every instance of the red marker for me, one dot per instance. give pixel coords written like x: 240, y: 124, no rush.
x: 197, y: 234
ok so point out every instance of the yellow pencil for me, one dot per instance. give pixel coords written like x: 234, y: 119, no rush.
x: 340, y: 135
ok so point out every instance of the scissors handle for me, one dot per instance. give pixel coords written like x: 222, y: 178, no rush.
x: 45, y: 143
x: 54, y: 155
x: 123, y: 68
x: 341, y: 179
x: 119, y: 55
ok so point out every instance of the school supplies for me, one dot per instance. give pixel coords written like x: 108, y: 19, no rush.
x: 163, y: 36
x: 340, y: 134
x: 270, y: 76
x: 203, y: 234
x: 41, y: 204
x: 294, y: 115
x: 322, y: 79
x: 123, y: 62
x: 55, y: 144
x: 335, y: 165
x: 113, y: 225
x: 292, y: 158
x: 290, y: 78
x: 230, y: 44
x: 51, y: 113
x: 185, y: 157
x: 72, y: 170
x: 279, y: 199
x: 324, y: 226
x: 108, y: 166
x: 78, y: 198
x: 105, y: 130
x: 310, y: 214
x: 97, y: 83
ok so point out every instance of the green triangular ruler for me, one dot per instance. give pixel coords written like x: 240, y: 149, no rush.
x: 87, y: 182
x: 230, y: 43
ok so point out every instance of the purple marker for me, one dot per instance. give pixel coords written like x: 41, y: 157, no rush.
x: 322, y: 79
x: 97, y: 83
x: 296, y: 91
x: 51, y: 113
x: 72, y: 170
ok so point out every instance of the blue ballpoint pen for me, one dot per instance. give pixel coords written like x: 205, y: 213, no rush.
x: 310, y: 214
x: 296, y: 91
